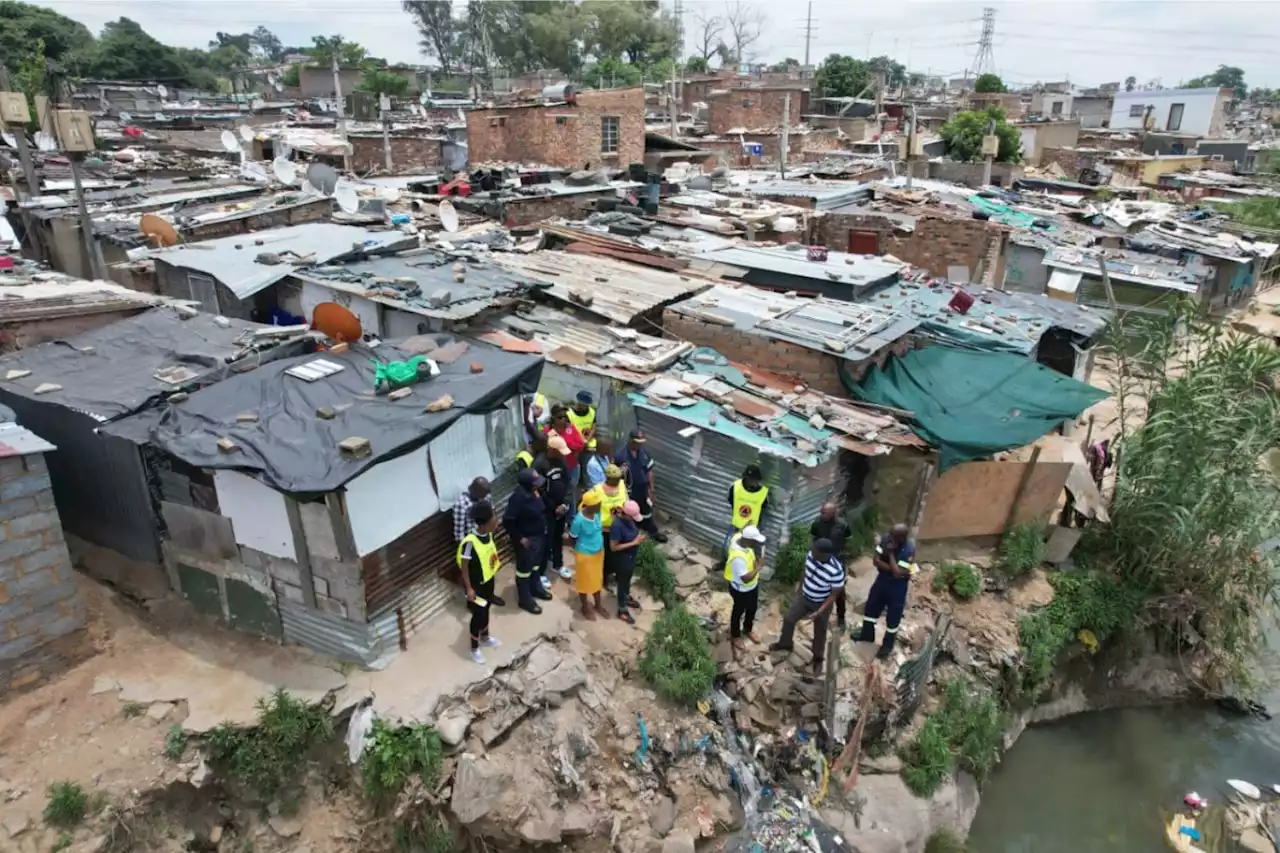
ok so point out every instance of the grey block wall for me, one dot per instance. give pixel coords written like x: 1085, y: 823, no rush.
x: 42, y: 617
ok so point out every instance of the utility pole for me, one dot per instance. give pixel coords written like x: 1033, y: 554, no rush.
x: 911, y: 142
x: 671, y: 104
x: 342, y: 114
x: 81, y: 141
x: 785, y: 143
x: 28, y: 173
x: 991, y: 155
x: 384, y: 105
x: 808, y: 35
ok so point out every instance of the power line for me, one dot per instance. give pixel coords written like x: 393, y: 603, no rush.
x: 1146, y: 31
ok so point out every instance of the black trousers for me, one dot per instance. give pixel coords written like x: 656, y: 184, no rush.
x: 555, y: 541
x: 610, y: 562
x: 623, y: 570
x: 528, y: 567
x: 743, y: 616
x: 648, y: 523
x: 480, y: 612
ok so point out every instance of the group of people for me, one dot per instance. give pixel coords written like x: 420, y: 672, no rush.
x: 572, y: 490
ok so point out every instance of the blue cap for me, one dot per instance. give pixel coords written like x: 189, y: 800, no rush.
x: 585, y: 398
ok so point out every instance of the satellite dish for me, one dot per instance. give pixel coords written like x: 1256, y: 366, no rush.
x: 309, y: 189
x: 246, y: 133
x: 160, y: 231
x: 337, y: 323
x: 257, y: 104
x: 282, y: 148
x: 345, y: 195
x: 424, y: 98
x: 9, y: 140
x: 279, y: 87
x: 388, y: 194
x: 164, y: 93
x: 254, y: 171
x: 284, y: 171
x: 448, y: 216
x: 229, y: 141
x: 125, y: 118
x: 45, y: 141
x: 323, y: 178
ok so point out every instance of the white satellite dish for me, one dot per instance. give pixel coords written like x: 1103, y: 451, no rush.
x: 229, y: 141
x: 323, y: 178
x: 45, y: 141
x: 448, y: 216
x: 348, y: 200
x: 308, y: 189
x: 282, y: 148
x: 125, y: 118
x: 164, y: 93
x: 257, y: 104
x: 9, y: 140
x: 246, y: 133
x: 284, y: 171
x: 254, y: 171
x: 423, y: 98
x: 279, y: 87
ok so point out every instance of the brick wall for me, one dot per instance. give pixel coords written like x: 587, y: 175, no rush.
x: 42, y: 619
x: 1070, y: 160
x: 970, y: 174
x: 408, y: 153
x: 753, y: 108
x: 696, y: 90
x: 567, y: 136
x: 936, y: 243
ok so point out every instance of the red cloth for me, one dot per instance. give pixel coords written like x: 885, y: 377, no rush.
x: 576, y: 443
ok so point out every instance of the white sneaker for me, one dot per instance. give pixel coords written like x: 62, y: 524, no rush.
x: 477, y: 656
x: 546, y: 582
x: 566, y: 573
x: 491, y: 642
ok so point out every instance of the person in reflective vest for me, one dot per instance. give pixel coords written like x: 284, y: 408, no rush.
x: 740, y: 570
x: 895, y: 562
x: 747, y: 499
x: 536, y: 416
x: 477, y: 557
x: 613, y: 494
x: 582, y: 414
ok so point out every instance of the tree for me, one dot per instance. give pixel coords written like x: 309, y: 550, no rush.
x: 437, y: 28
x: 633, y: 29
x: 611, y: 71
x: 267, y: 45
x: 1130, y: 82
x: 706, y: 34
x: 292, y: 76
x: 785, y: 65
x: 23, y: 26
x: 841, y: 76
x: 125, y: 51
x: 1226, y: 77
x: 895, y: 73
x: 988, y: 83
x: 696, y: 65
x: 325, y: 48
x: 242, y: 42
x: 383, y: 83
x: 963, y: 135
x: 744, y: 24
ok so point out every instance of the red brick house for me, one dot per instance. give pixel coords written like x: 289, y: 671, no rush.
x: 601, y: 128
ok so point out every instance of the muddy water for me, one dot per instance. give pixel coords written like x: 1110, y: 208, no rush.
x: 1097, y: 782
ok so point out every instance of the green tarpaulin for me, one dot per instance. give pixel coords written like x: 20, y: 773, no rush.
x: 973, y: 404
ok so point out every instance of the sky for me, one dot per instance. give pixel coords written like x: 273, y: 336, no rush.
x: 1085, y: 42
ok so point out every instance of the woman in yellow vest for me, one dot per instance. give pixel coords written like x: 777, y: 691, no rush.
x: 477, y: 557
x: 613, y: 494
x: 741, y: 571
x: 582, y: 414
x: 747, y: 499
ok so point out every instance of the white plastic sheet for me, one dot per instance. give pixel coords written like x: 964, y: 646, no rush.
x: 459, y: 455
x: 389, y: 499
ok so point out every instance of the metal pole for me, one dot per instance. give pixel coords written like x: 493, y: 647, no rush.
x: 808, y: 35
x: 671, y: 104
x: 29, y: 175
x: 342, y: 113
x: 911, y: 142
x: 386, y: 135
x: 96, y: 264
x: 785, y: 147
x: 986, y: 169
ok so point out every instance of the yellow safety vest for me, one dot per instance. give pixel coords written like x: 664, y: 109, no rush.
x: 747, y: 505
x: 584, y: 423
x: 608, y: 503
x: 526, y: 457
x: 737, y: 550
x: 487, y: 551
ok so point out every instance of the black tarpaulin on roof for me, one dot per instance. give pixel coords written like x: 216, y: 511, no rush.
x: 292, y: 449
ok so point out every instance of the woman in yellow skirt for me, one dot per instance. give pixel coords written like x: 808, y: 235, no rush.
x: 587, y: 534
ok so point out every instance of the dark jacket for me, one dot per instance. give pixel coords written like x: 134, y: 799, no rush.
x: 526, y: 515
x: 555, y: 491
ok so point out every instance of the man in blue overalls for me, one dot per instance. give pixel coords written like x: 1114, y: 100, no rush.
x: 895, y: 562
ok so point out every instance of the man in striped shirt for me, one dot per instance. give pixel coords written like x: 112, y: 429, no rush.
x: 821, y: 585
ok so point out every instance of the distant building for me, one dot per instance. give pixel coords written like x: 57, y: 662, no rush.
x: 756, y: 107
x: 1200, y: 112
x: 1052, y: 104
x: 599, y: 128
x: 317, y: 82
x: 1092, y: 110
x: 1010, y: 102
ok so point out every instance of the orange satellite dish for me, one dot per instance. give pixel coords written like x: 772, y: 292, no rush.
x: 336, y: 322
x: 158, y: 230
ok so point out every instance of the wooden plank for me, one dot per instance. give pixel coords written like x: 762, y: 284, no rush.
x: 302, y: 554
x: 975, y: 498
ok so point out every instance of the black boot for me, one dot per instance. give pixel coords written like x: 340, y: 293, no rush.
x: 868, y: 633
x: 886, y: 648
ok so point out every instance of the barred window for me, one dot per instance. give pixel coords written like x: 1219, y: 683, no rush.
x: 609, y: 134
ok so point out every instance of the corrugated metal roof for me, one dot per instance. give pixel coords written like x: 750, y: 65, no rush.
x: 618, y: 291
x: 791, y: 430
x: 233, y: 260
x: 63, y: 296
x: 860, y: 330
x: 858, y: 271
x: 825, y: 194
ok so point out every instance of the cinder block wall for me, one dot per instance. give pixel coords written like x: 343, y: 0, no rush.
x: 42, y: 618
x: 936, y: 243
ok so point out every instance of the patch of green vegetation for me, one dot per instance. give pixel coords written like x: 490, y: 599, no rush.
x: 131, y: 710
x: 967, y: 730
x: 429, y: 836
x: 175, y: 742
x: 1022, y: 549
x: 677, y: 657
x: 789, y: 564
x: 960, y: 579
x: 68, y: 805
x: 270, y: 755
x: 63, y: 842
x: 863, y: 533
x: 652, y: 571
x: 394, y: 755
x: 946, y: 841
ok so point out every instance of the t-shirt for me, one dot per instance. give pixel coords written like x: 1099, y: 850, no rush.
x: 836, y: 530
x: 821, y: 578
x: 588, y: 533
x: 737, y: 569
x: 624, y: 530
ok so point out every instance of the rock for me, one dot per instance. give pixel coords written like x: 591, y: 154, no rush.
x: 215, y: 834
x: 499, y: 721
x: 17, y: 374
x: 15, y: 823
x: 542, y: 829
x: 690, y: 574
x: 440, y: 404
x: 889, y: 763
x: 452, y: 727
x: 201, y: 775
x: 678, y: 843
x: 285, y: 827
x: 663, y: 816
x: 579, y: 821
x: 159, y: 710
x: 811, y: 710
x: 675, y: 547
x: 478, y: 785
x: 549, y: 670
x: 1255, y: 842
x: 104, y: 684
x: 47, y: 388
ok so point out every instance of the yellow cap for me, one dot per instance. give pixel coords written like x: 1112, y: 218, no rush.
x: 591, y: 498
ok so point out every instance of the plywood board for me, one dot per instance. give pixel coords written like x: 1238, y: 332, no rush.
x: 390, y: 498
x: 257, y: 513
x: 973, y: 499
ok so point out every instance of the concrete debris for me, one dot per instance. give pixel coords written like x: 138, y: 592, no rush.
x: 440, y: 404
x: 47, y: 388
x: 452, y: 728
x: 478, y: 784
x: 399, y: 394
x: 679, y: 843
x: 689, y: 574
x: 663, y: 816
x: 355, y: 447
x: 226, y: 445
x: 159, y: 710
x: 326, y: 413
x: 104, y: 684
x: 17, y: 374
x: 247, y: 418
x: 285, y: 827
x: 477, y: 367
x: 15, y: 823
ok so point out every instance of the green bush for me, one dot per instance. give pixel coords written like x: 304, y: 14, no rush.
x: 946, y: 841
x: 394, y: 755
x: 677, y: 658
x: 789, y: 564
x: 863, y: 533
x: 67, y: 806
x: 175, y: 742
x: 967, y: 729
x: 652, y: 571
x: 131, y: 710
x: 927, y: 759
x: 428, y: 836
x: 960, y: 579
x: 1022, y: 549
x: 270, y: 755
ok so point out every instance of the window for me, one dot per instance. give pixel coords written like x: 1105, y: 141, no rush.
x: 609, y: 134
x: 1175, y: 117
x: 1136, y: 110
x: 205, y: 291
x: 1056, y: 109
